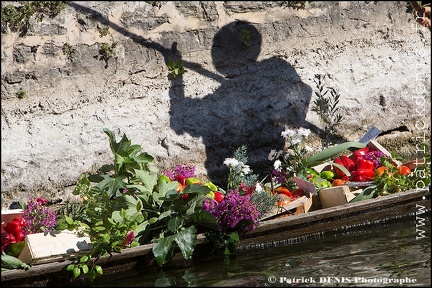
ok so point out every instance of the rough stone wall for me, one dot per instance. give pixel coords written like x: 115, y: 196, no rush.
x: 231, y: 95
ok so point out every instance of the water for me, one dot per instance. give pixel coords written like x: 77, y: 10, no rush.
x: 388, y: 254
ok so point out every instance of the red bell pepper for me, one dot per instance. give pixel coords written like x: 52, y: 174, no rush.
x: 346, y: 162
x: 363, y: 163
x: 361, y: 175
x: 361, y: 151
x: 359, y: 154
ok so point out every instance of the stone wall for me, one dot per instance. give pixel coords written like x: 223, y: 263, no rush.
x: 233, y: 93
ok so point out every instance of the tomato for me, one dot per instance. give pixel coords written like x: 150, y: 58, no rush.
x: 218, y: 196
x: 404, y: 170
x: 380, y: 171
x: 338, y: 182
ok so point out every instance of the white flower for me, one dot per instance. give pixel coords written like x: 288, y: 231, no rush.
x: 296, y: 140
x: 304, y: 132
x: 231, y: 162
x: 277, y: 164
x: 288, y: 133
x: 308, y: 148
x: 245, y: 170
x: 274, y: 154
x: 259, y: 188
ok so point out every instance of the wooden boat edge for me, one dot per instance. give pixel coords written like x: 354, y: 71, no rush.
x: 268, y: 231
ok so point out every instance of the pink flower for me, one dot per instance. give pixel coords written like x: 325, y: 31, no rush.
x: 41, y: 201
x: 129, y: 238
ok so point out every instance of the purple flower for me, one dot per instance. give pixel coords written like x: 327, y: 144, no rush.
x: 187, y: 171
x: 39, y: 217
x: 234, y: 213
x: 374, y: 156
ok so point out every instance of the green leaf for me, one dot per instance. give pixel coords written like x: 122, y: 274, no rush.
x: 76, y: 272
x: 174, y: 224
x: 111, y: 185
x: 333, y: 151
x: 84, y: 259
x: 206, y: 219
x: 163, y: 250
x: 367, y: 193
x: 70, y: 267
x: 148, y: 179
x: 186, y: 241
x: 85, y: 269
x: 98, y: 269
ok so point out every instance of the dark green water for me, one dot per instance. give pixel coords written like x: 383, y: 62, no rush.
x: 392, y: 253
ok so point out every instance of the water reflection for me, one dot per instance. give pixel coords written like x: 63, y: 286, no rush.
x: 384, y: 255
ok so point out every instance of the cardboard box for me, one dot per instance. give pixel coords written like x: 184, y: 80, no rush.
x: 9, y: 215
x: 298, y: 206
x: 334, y: 196
x: 55, y: 246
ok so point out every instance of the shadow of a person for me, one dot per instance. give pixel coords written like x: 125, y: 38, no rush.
x: 255, y: 102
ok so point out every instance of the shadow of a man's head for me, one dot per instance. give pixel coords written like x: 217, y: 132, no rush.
x: 235, y: 45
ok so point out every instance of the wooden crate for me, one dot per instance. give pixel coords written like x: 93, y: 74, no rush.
x: 298, y: 206
x: 9, y: 215
x: 55, y: 246
x: 334, y: 196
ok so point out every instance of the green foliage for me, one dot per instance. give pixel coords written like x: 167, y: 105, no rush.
x: 21, y: 94
x: 176, y: 68
x: 106, y: 51
x: 245, y: 38
x: 18, y: 17
x: 326, y: 107
x: 85, y: 265
x: 126, y: 197
x: 223, y: 242
x: 103, y: 31
x: 69, y: 51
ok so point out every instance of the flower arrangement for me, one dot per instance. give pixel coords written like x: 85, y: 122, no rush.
x: 38, y: 216
x: 292, y: 161
x: 235, y: 213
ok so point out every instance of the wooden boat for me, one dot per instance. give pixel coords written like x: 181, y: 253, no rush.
x: 132, y: 261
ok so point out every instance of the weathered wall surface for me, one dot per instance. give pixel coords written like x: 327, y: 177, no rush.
x: 374, y: 53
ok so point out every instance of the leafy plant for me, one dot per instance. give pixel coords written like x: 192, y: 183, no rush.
x: 326, y: 107
x: 18, y: 17
x: 69, y: 51
x: 106, y: 51
x: 85, y: 265
x: 128, y: 206
x: 21, y: 94
x: 176, y: 68
x: 245, y: 38
x: 103, y: 31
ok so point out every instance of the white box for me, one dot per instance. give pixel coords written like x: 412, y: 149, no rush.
x: 58, y: 245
